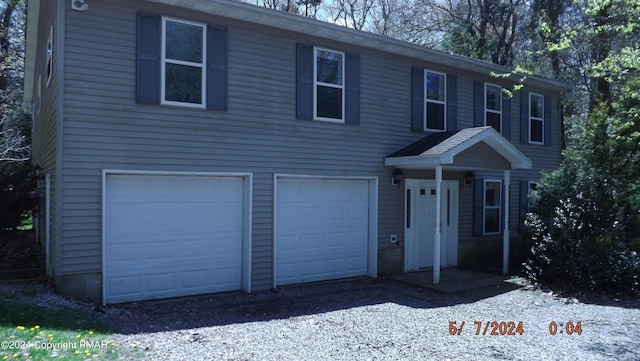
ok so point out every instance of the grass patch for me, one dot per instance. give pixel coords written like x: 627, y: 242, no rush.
x: 32, y: 332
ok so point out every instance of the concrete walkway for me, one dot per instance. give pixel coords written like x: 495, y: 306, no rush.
x: 455, y: 280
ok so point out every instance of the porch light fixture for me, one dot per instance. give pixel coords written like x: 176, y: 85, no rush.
x: 79, y: 5
x: 397, y: 178
x: 468, y: 179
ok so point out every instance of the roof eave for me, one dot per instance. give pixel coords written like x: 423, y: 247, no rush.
x: 33, y: 14
x: 282, y: 20
x: 488, y: 135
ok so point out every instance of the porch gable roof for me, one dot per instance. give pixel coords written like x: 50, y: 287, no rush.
x: 443, y: 149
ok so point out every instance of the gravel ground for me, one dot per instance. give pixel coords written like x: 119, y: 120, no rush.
x: 377, y: 320
x: 368, y: 319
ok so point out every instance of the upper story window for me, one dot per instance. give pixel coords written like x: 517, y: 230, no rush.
x: 536, y: 118
x: 183, y: 71
x: 493, y: 106
x: 435, y: 101
x: 49, y: 62
x: 492, y: 206
x: 329, y: 85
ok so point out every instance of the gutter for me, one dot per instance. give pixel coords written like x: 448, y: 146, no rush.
x: 31, y: 45
x: 308, y: 26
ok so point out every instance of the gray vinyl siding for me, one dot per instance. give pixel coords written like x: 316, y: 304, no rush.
x: 105, y: 129
x: 45, y: 127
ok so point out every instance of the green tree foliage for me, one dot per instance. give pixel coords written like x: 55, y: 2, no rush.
x: 16, y: 181
x: 586, y: 219
x: 483, y: 29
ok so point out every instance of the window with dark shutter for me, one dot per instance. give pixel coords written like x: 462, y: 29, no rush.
x: 488, y: 206
x: 327, y: 85
x: 433, y: 101
x: 181, y: 62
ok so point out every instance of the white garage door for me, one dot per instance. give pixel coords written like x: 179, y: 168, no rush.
x: 168, y: 236
x: 321, y: 229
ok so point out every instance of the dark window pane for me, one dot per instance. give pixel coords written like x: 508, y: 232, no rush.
x: 492, y: 220
x: 435, y: 86
x: 494, y: 98
x: 492, y: 194
x: 184, y: 42
x: 536, y: 130
x: 537, y: 106
x: 435, y: 116
x: 329, y: 66
x: 329, y: 102
x: 493, y: 119
x: 183, y: 84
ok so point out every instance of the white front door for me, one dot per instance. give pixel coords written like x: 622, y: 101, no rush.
x: 420, y: 223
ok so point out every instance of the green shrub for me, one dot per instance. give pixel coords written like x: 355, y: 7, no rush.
x: 585, y: 223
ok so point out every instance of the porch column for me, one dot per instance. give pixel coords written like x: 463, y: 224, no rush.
x: 505, y: 233
x: 436, y: 238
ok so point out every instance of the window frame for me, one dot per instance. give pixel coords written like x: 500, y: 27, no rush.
x: 441, y: 102
x: 486, y: 108
x: 49, y: 60
x: 539, y: 119
x: 163, y: 63
x: 485, y: 207
x: 317, y: 83
x: 529, y: 184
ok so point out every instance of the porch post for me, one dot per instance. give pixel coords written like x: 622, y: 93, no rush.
x: 436, y: 238
x: 505, y: 234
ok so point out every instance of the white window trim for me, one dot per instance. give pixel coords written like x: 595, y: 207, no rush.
x: 316, y: 83
x: 426, y: 100
x: 49, y: 62
x: 164, y: 62
x: 531, y: 118
x: 485, y: 207
x: 529, y: 183
x: 487, y: 110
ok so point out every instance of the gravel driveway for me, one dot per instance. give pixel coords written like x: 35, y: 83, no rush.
x: 368, y: 319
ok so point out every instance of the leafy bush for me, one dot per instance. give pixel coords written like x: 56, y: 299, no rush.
x: 16, y: 186
x: 586, y: 219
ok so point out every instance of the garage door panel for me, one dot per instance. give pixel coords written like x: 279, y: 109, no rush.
x: 322, y: 226
x: 170, y: 236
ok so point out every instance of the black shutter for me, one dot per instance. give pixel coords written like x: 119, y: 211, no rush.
x: 478, y: 96
x: 217, y: 38
x: 352, y: 85
x: 304, y: 81
x: 524, y: 117
x: 148, y: 59
x: 506, y: 116
x: 478, y: 206
x: 547, y: 120
x: 417, y: 100
x: 452, y: 102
